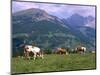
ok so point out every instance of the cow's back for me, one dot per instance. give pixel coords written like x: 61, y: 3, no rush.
x: 35, y: 49
x: 30, y: 48
x: 84, y: 48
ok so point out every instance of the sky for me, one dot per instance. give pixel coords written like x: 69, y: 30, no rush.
x: 59, y: 10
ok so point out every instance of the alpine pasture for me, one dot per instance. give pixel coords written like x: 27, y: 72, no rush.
x: 54, y: 62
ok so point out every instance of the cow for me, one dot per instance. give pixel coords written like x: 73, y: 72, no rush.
x: 37, y: 52
x: 80, y: 50
x: 61, y: 51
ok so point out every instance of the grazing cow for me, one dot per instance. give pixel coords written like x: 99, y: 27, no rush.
x: 80, y: 50
x: 31, y: 49
x: 62, y: 51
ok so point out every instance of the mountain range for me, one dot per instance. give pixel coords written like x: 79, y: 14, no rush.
x: 47, y: 31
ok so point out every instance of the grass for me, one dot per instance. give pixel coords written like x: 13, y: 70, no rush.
x: 54, y: 62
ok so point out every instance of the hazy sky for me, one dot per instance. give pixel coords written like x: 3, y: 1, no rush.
x: 59, y: 10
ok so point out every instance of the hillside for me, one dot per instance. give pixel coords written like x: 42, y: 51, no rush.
x: 47, y: 31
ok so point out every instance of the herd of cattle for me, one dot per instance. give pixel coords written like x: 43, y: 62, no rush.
x: 37, y: 52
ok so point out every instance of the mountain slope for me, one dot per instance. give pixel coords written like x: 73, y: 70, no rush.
x: 78, y: 25
x: 47, y: 31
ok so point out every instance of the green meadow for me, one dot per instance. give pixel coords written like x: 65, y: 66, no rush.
x: 54, y: 62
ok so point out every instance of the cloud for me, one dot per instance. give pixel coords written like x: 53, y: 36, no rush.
x: 18, y: 6
x: 59, y: 10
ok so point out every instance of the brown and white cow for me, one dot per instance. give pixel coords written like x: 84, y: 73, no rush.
x: 32, y: 49
x: 80, y: 50
x: 62, y: 51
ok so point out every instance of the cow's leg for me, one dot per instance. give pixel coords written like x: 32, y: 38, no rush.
x: 83, y: 51
x: 60, y: 53
x: 66, y: 53
x: 28, y: 55
x: 37, y: 54
x: 25, y: 54
x: 34, y: 55
x: 41, y: 54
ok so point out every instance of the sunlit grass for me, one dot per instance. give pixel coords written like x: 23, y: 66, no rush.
x: 54, y: 62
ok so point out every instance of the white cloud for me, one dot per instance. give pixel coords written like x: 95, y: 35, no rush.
x: 60, y: 10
